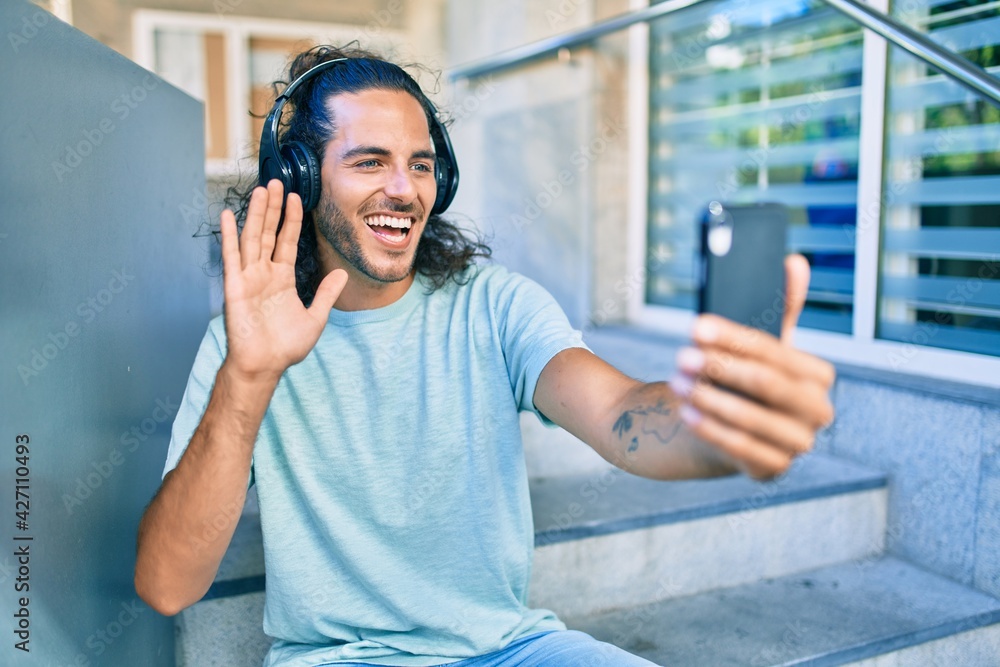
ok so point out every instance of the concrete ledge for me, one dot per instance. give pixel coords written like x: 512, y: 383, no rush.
x: 611, y: 501
x: 833, y: 616
x: 975, y: 648
x: 636, y: 567
x: 222, y: 633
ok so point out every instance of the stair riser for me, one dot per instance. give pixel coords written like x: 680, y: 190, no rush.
x: 631, y: 568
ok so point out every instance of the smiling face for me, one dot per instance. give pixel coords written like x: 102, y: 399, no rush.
x: 378, y: 188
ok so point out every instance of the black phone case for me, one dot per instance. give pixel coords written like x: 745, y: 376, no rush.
x: 747, y: 284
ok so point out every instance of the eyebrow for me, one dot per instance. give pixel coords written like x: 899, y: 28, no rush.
x: 384, y: 152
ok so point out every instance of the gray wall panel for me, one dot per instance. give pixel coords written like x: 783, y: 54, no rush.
x: 103, y: 305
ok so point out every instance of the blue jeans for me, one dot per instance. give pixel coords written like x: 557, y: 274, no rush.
x: 569, y: 648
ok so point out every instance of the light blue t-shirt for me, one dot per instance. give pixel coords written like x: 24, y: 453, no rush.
x: 391, y: 478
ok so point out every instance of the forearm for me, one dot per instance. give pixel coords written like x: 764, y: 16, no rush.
x: 647, y: 437
x: 187, y: 528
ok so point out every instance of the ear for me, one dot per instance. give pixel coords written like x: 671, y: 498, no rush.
x: 796, y: 288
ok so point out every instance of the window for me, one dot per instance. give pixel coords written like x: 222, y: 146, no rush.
x: 762, y: 101
x: 754, y: 102
x: 228, y: 62
x: 940, y: 268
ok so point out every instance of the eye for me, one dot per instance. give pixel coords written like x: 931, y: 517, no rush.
x: 423, y: 166
x: 367, y: 164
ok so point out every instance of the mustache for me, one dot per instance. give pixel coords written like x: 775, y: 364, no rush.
x: 414, y: 209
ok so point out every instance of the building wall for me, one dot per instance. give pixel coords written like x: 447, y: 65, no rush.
x: 943, y: 458
x: 110, y: 21
x: 544, y: 149
x: 939, y: 444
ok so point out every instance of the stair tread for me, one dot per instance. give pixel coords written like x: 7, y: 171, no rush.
x: 608, y: 503
x: 822, y: 618
x: 617, y: 501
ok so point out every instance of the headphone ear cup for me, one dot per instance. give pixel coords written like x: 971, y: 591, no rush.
x: 446, y: 168
x: 305, y: 172
x: 444, y: 196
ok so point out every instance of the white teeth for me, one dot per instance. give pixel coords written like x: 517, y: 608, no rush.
x: 389, y: 221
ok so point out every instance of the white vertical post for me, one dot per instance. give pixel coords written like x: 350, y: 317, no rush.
x: 638, y: 149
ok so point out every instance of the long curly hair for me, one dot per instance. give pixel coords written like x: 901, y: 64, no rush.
x: 444, y: 251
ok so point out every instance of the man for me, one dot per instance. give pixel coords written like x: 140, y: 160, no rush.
x: 352, y: 371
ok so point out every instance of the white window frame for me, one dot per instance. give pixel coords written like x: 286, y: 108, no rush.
x: 237, y: 32
x: 860, y: 348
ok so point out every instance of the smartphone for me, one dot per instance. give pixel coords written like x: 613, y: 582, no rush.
x: 743, y: 263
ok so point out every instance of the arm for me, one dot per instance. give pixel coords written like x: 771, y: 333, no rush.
x: 697, y: 426
x: 631, y: 424
x: 187, y: 528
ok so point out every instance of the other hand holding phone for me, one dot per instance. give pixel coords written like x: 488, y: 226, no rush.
x: 751, y: 395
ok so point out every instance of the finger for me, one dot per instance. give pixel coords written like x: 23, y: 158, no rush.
x: 327, y: 294
x: 769, y: 426
x: 804, y: 400
x: 715, y: 332
x: 288, y: 239
x: 250, y: 237
x: 756, y: 458
x: 230, y: 247
x: 271, y: 219
x: 796, y: 290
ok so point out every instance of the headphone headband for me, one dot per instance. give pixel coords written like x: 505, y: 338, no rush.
x: 296, y: 165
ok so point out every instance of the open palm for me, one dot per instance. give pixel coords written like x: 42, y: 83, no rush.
x: 267, y: 326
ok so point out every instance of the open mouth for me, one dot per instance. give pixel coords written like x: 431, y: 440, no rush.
x: 389, y: 228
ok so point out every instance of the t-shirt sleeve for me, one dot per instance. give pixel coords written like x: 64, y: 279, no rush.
x: 533, y: 329
x: 207, y: 363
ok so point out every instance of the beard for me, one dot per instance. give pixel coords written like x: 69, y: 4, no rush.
x: 344, y: 237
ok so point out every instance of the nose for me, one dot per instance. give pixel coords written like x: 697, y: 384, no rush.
x: 400, y: 185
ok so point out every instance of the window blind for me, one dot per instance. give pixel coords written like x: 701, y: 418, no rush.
x: 755, y: 102
x: 940, y: 262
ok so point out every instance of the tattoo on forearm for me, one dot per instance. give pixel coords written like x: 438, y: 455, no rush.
x: 651, y: 423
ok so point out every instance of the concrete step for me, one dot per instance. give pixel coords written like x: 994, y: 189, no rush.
x: 609, y: 540
x: 870, y: 613
x: 612, y: 540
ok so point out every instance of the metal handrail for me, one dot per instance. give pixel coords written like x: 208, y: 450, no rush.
x: 545, y: 47
x: 947, y: 62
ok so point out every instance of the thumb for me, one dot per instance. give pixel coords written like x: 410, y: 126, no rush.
x: 327, y: 294
x: 796, y: 289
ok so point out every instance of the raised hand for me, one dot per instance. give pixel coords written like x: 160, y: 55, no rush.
x: 752, y: 396
x: 267, y: 326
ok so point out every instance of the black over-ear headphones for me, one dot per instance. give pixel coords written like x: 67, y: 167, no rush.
x: 295, y: 164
